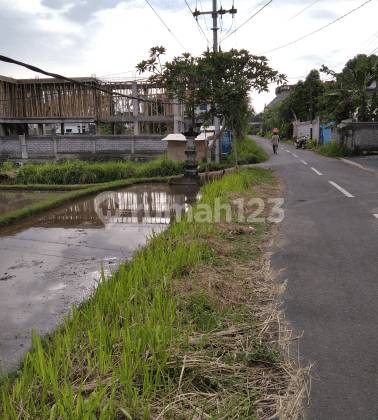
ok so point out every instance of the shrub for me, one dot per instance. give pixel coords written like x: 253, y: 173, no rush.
x: 249, y: 151
x: 268, y: 134
x: 312, y: 143
x: 163, y: 166
x: 7, y: 166
x: 252, y: 130
x: 331, y: 149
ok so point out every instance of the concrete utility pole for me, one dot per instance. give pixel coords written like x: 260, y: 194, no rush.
x: 310, y: 108
x: 215, y: 13
x: 215, y: 27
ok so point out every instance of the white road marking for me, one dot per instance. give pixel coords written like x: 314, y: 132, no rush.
x: 341, y: 189
x: 316, y: 171
x: 376, y: 215
x: 295, y: 155
x: 281, y: 148
x: 303, y: 162
x: 288, y: 151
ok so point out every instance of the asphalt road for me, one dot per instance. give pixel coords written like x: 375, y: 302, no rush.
x: 329, y: 257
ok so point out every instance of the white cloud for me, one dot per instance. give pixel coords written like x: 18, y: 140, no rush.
x: 110, y: 37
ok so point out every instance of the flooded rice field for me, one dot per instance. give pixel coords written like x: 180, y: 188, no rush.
x: 51, y: 261
x: 17, y: 200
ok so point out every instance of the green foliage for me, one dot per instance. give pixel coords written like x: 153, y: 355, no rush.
x: 106, y: 129
x: 262, y: 353
x: 113, y: 356
x: 269, y: 134
x: 281, y: 115
x: 7, y: 166
x: 347, y: 95
x: 80, y: 172
x: 252, y: 130
x: 248, y: 151
x: 221, y: 79
x: 203, y: 315
x: 164, y: 166
x: 331, y: 149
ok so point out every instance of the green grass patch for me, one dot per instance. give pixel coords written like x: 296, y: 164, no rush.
x: 288, y: 141
x: 331, y: 149
x: 70, y: 172
x: 142, y: 348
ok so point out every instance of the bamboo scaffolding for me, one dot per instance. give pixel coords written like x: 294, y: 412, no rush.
x: 54, y: 98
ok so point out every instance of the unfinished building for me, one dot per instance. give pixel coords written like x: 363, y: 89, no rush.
x: 57, y: 102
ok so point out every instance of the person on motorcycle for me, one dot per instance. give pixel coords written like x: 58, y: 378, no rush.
x: 275, y: 140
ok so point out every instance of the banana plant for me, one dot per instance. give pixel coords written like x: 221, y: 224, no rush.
x: 349, y: 91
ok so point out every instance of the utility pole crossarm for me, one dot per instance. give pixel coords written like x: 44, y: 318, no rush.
x: 233, y: 11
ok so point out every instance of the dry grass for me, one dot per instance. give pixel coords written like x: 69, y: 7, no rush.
x: 250, y: 345
x: 232, y: 357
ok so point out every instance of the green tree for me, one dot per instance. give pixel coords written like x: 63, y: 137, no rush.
x: 347, y: 96
x: 222, y: 80
x: 297, y: 105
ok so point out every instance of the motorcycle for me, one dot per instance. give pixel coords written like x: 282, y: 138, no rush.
x: 300, y: 143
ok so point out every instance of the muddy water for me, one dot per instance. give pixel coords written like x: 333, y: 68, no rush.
x: 17, y: 200
x: 49, y: 262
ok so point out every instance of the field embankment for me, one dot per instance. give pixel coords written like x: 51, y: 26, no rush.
x: 190, y: 328
x: 76, y: 193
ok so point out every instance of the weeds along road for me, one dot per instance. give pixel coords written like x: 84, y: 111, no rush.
x: 329, y: 255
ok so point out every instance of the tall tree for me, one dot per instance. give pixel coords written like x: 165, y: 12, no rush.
x: 347, y: 96
x: 221, y: 79
x: 281, y: 115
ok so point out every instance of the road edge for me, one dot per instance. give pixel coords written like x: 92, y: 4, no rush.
x: 357, y: 165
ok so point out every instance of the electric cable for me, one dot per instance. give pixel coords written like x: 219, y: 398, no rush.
x: 249, y: 19
x: 236, y: 36
x: 167, y: 26
x: 207, y: 28
x: 374, y: 51
x: 347, y: 58
x: 299, y: 13
x: 198, y: 24
x: 116, y: 74
x: 250, y: 11
x: 323, y: 27
x: 232, y: 23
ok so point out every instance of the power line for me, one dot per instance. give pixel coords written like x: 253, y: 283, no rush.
x: 250, y: 11
x: 116, y: 74
x: 236, y: 36
x: 233, y: 24
x: 207, y: 28
x: 198, y: 24
x: 249, y: 19
x: 323, y: 27
x: 299, y: 13
x: 345, y: 59
x: 58, y: 76
x: 167, y: 26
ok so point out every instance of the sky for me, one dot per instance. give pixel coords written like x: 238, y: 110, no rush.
x: 110, y: 37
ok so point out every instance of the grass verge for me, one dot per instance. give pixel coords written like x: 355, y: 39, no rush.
x: 64, y: 198
x: 331, y: 149
x: 188, y: 329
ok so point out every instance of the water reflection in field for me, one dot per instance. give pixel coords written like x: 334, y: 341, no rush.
x: 51, y: 261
